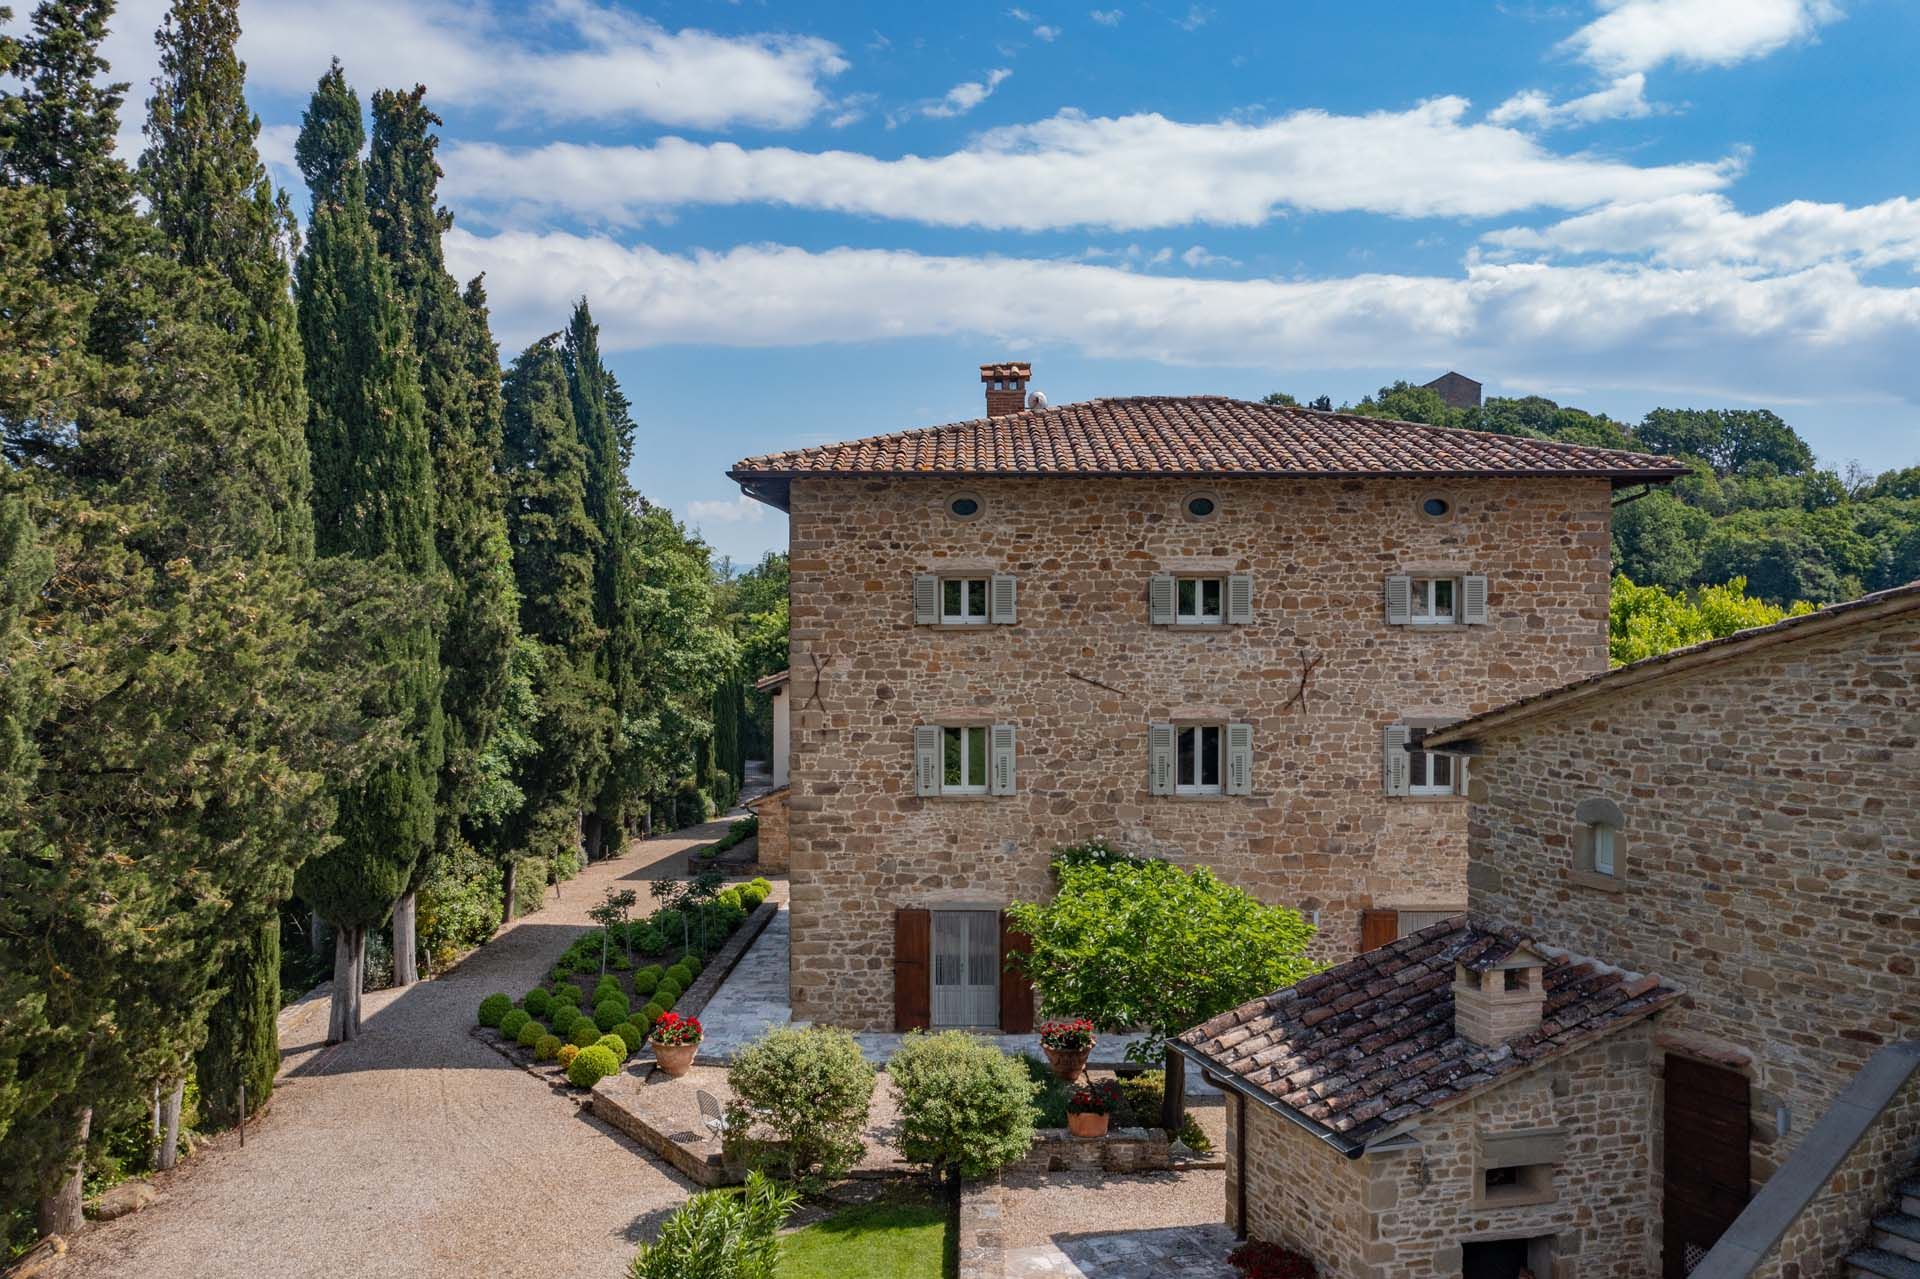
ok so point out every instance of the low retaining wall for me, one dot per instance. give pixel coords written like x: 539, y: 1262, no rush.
x: 981, y: 1231
x: 620, y: 1101
x: 1121, y: 1150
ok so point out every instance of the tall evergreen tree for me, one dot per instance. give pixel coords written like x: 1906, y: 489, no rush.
x: 373, y: 501
x: 554, y: 543
x: 459, y: 374
x: 600, y: 414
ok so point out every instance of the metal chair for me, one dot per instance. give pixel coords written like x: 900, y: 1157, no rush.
x: 710, y: 1113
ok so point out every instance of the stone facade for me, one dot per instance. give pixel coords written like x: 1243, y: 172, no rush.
x: 773, y: 852
x: 1415, y: 1210
x: 1318, y: 674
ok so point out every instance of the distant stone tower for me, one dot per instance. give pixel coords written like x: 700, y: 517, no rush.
x: 1457, y: 390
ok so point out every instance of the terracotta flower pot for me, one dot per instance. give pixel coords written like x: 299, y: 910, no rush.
x: 1067, y: 1066
x: 675, y: 1059
x: 1087, y: 1125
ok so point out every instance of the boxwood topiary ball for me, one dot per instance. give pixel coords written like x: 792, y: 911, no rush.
x: 566, y: 1053
x: 514, y: 1019
x: 646, y: 981
x: 547, y: 1047
x: 530, y: 1033
x: 633, y: 1036
x: 538, y: 1002
x: 615, y: 1045
x: 493, y: 1008
x: 564, y: 1015
x: 584, y: 1033
x: 608, y: 1015
x: 593, y: 1064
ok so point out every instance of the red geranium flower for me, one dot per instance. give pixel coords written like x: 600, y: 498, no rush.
x: 672, y: 1029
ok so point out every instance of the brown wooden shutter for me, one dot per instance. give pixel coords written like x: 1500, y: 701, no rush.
x: 912, y: 980
x: 1378, y: 927
x: 1016, y: 992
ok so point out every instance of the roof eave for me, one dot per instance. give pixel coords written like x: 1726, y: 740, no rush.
x: 1347, y: 1146
x: 775, y: 488
x: 784, y: 478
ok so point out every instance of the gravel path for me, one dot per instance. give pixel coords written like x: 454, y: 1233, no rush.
x: 415, y: 1150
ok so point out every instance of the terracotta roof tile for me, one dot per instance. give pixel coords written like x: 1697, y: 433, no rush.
x: 1200, y: 435
x: 1368, y: 1043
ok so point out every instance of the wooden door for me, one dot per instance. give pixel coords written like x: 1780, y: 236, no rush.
x: 1707, y: 1172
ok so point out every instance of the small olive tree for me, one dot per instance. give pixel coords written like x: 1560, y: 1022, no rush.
x: 1137, y: 945
x: 966, y: 1108
x: 813, y: 1090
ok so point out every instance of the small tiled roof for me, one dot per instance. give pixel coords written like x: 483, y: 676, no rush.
x: 1369, y: 1043
x: 1201, y: 435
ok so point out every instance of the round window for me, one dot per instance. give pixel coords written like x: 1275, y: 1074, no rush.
x: 963, y: 507
x: 1201, y: 507
x: 1436, y: 506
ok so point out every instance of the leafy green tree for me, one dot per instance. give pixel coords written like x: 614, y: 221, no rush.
x: 1139, y: 944
x: 966, y: 1108
x: 1645, y: 621
x: 554, y: 542
x: 1541, y: 418
x: 1406, y: 402
x: 374, y: 502
x: 1789, y: 555
x: 1734, y: 441
x: 1656, y: 539
x: 1902, y: 483
x: 720, y: 1234
x: 458, y: 370
x: 812, y: 1089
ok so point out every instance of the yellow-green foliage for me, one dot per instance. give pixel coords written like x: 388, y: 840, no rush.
x: 566, y: 1053
x: 591, y: 1066
x: 1643, y: 621
x: 547, y: 1047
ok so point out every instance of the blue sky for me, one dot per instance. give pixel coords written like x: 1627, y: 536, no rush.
x: 800, y: 223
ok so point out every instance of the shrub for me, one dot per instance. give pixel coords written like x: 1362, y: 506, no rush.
x: 565, y: 1053
x: 720, y: 1232
x: 668, y: 992
x: 621, y: 962
x: 762, y: 883
x: 530, y: 1033
x: 514, y: 1019
x: 564, y: 1016
x: 584, y: 1033
x: 1140, y: 1108
x: 1257, y: 1259
x: 631, y: 1035
x: 731, y: 897
x: 651, y: 1013
x: 614, y: 1044
x: 642, y: 1021
x: 646, y: 981
x: 566, y: 993
x: 813, y: 1089
x: 648, y: 939
x: 966, y: 1108
x: 493, y: 1008
x: 692, y: 964
x: 538, y: 1002
x: 609, y: 1013
x: 680, y: 975
x: 593, y: 1064
x: 608, y: 987
x: 547, y: 1047
x: 1050, y: 1103
x: 750, y: 898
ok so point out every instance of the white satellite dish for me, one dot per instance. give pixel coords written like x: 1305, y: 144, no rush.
x: 1037, y: 401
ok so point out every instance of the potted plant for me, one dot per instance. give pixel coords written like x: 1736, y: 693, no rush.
x: 1090, y: 1109
x: 1067, y: 1044
x: 675, y: 1039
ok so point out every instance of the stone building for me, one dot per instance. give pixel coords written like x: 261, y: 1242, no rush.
x: 1197, y: 627
x: 1741, y: 818
x: 1456, y: 390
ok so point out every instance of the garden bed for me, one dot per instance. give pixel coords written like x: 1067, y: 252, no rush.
x: 907, y: 1233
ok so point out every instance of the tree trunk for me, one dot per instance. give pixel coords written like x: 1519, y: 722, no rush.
x: 60, y: 1212
x: 317, y: 936
x: 593, y: 836
x: 170, y: 1127
x: 349, y: 975
x: 406, y: 964
x: 511, y: 879
x: 1173, y: 1102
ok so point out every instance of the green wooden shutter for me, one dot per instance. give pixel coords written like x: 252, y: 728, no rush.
x: 1159, y: 759
x: 1396, y: 767
x: 926, y: 599
x: 1473, y: 600
x: 1240, y: 599
x: 1239, y: 759
x: 1000, y: 759
x: 926, y: 759
x: 1399, y: 600
x: 1160, y: 597
x: 1001, y: 596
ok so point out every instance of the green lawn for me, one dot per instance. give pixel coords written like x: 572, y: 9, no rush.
x: 901, y: 1237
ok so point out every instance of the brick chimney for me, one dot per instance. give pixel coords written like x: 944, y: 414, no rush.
x: 1006, y: 387
x: 1499, y: 1002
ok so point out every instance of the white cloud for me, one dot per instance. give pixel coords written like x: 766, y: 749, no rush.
x: 564, y: 60
x: 1639, y: 35
x: 1127, y: 173
x: 967, y: 95
x: 1046, y: 33
x: 1710, y: 331
x: 734, y: 510
x: 1624, y: 99
x: 1706, y: 230
x: 1198, y: 257
x: 1197, y: 16
x: 1107, y: 17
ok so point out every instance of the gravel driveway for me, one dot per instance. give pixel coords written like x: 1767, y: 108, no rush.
x: 415, y: 1150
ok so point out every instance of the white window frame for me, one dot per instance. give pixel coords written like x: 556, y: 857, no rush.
x: 973, y: 590
x: 1197, y: 618
x: 1601, y: 836
x: 967, y: 785
x: 1196, y: 786
x: 1423, y: 591
x: 1420, y: 763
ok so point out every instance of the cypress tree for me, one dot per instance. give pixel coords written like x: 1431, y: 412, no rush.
x: 373, y: 501
x: 554, y: 543
x: 595, y: 400
x: 459, y: 374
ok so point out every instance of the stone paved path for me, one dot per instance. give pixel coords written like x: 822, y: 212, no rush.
x: 415, y: 1150
x: 1192, y: 1252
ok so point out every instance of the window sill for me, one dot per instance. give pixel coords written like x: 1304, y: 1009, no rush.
x: 975, y: 627
x: 1602, y: 883
x: 1200, y: 799
x: 1192, y: 628
x: 945, y: 798
x: 1430, y: 799
x: 1443, y: 628
x: 1521, y: 1198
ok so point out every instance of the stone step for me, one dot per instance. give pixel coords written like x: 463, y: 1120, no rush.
x: 1909, y: 1193
x: 1871, y: 1263
x: 1899, y: 1234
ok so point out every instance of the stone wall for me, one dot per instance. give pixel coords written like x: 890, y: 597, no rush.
x: 1082, y: 674
x: 1770, y: 856
x: 1121, y: 1150
x: 1410, y: 1212
x: 773, y: 846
